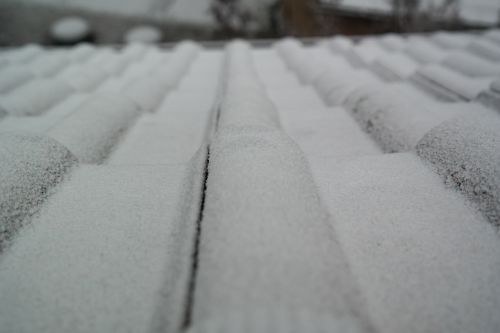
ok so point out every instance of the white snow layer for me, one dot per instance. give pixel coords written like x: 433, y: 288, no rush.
x: 424, y: 51
x: 91, y: 131
x: 466, y: 87
x: 496, y: 86
x: 49, y: 63
x: 471, y: 65
x: 82, y: 77
x: 13, y: 77
x: 81, y: 52
x: 177, y: 129
x: 424, y: 260
x: 29, y: 167
x: 450, y: 41
x: 34, y: 97
x: 110, y: 251
x: 395, y: 116
x: 465, y: 151
x: 318, y: 130
x: 24, y: 54
x: 42, y: 123
x: 266, y: 244
x: 112, y: 248
x: 401, y: 228
x: 150, y: 89
x: 395, y: 66
x: 485, y: 49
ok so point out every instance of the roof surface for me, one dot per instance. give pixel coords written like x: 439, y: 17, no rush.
x: 334, y: 187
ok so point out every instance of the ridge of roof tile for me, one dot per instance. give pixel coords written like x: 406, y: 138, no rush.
x: 464, y: 151
x: 245, y: 148
x: 471, y: 65
x: 35, y: 97
x: 93, y: 128
x: 30, y: 166
x: 485, y: 49
x: 13, y: 77
x: 463, y: 87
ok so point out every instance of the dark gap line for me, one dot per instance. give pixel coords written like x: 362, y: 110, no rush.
x: 188, y: 314
x: 186, y: 322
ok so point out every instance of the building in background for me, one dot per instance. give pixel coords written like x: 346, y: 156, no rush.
x: 355, y: 17
x: 23, y: 21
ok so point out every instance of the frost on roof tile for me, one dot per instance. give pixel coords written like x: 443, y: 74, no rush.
x: 328, y: 132
x: 115, y: 64
x: 108, y: 61
x: 465, y: 152
x: 147, y: 92
x: 110, y: 251
x: 311, y: 62
x: 340, y: 44
x: 48, y: 64
x: 273, y: 320
x: 392, y: 42
x: 34, y: 97
x: 336, y: 86
x: 24, y: 54
x: 333, y: 77
x: 448, y: 40
x: 424, y: 260
x: 81, y: 52
x: 91, y: 131
x: 439, y: 77
x: 150, y: 89
x: 490, y: 99
x: 495, y: 85
x: 30, y: 166
x: 395, y: 116
x: 178, y: 63
x: 471, y: 65
x: 245, y: 94
x: 493, y: 35
x: 82, y: 78
x: 424, y: 51
x: 177, y: 129
x: 485, y: 49
x: 302, y: 101
x: 365, y: 53
x: 134, y: 51
x: 394, y: 67
x: 12, y: 77
x: 42, y: 123
x: 259, y: 193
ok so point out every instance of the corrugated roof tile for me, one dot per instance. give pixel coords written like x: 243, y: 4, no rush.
x: 250, y: 189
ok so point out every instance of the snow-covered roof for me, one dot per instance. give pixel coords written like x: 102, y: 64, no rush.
x: 338, y: 186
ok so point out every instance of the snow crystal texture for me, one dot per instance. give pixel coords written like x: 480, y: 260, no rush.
x: 465, y: 151
x: 30, y: 166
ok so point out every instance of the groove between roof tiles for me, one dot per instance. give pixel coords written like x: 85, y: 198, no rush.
x: 245, y: 251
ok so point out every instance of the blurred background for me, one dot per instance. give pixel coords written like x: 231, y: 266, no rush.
x: 118, y: 21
